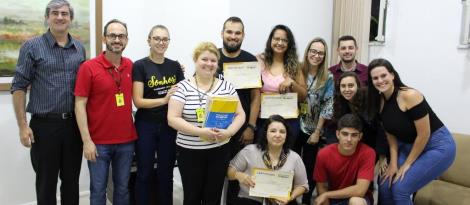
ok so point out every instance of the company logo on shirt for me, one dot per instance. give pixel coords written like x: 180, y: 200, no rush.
x: 164, y: 81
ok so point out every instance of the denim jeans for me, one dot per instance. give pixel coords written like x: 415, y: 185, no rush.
x: 437, y: 156
x: 161, y: 138
x: 119, y: 156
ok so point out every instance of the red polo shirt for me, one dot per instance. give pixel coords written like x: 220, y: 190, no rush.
x: 107, y: 122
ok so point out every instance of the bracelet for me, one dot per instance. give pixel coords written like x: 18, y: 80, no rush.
x: 252, y: 127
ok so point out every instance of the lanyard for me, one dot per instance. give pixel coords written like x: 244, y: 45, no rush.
x: 199, y: 93
x: 116, y: 80
x: 310, y: 86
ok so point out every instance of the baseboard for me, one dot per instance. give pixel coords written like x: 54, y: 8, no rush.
x: 81, y: 194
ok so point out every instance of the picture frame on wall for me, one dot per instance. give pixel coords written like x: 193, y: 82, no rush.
x: 21, y: 20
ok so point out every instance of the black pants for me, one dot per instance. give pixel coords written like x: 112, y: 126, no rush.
x: 57, y: 151
x: 233, y: 186
x: 309, y: 156
x: 203, y: 173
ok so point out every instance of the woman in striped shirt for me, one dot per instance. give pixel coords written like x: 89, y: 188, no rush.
x: 203, y: 153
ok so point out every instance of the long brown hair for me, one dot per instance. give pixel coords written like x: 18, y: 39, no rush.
x: 322, y: 73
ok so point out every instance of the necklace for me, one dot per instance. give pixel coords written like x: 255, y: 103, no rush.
x: 201, y: 94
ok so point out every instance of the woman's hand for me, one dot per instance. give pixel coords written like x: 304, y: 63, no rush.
x: 245, y: 179
x: 170, y: 92
x: 222, y: 134
x: 280, y: 201
x: 401, y: 172
x: 382, y: 165
x: 208, y: 134
x: 314, y: 137
x: 389, y: 173
x: 285, y: 86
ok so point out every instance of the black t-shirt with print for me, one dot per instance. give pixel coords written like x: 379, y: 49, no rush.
x: 243, y: 94
x: 157, y: 79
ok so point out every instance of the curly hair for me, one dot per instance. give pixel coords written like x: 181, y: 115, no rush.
x: 291, y: 60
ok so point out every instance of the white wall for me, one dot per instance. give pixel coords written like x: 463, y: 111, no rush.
x: 189, y: 22
x: 421, y: 42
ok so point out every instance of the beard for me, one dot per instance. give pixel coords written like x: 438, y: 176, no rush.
x: 232, y: 49
x: 348, y: 60
x: 110, y: 48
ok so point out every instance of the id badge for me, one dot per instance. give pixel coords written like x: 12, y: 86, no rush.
x: 200, y: 113
x: 303, y: 108
x: 119, y: 99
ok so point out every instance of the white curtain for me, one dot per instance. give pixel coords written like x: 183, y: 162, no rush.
x: 352, y: 17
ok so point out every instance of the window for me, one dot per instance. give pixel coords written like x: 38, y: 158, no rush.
x: 465, y: 27
x: 377, y: 21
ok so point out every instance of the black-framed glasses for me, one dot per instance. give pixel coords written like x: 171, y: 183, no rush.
x: 113, y: 36
x: 161, y: 40
x: 315, y: 52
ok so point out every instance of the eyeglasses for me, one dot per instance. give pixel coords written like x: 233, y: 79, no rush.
x: 315, y: 52
x: 280, y: 40
x: 113, y: 36
x: 161, y: 40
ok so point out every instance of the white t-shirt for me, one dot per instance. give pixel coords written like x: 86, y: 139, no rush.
x: 193, y: 98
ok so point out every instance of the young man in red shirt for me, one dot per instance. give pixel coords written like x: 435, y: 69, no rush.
x: 103, y: 107
x: 344, y: 170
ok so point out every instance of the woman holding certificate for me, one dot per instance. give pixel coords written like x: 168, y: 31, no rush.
x: 315, y: 108
x: 155, y: 79
x: 203, y: 153
x: 280, y: 75
x: 272, y: 153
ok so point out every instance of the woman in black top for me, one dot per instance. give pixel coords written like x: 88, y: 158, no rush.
x: 154, y: 79
x: 421, y: 147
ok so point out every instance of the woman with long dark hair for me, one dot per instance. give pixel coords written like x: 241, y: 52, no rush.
x: 421, y: 147
x: 280, y: 69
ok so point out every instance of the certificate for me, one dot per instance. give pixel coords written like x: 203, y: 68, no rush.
x: 243, y: 75
x: 269, y: 183
x: 284, y: 105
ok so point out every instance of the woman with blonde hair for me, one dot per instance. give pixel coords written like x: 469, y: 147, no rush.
x: 155, y: 78
x: 315, y: 108
x: 203, y: 153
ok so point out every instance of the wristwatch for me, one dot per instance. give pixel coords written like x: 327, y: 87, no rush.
x: 252, y: 127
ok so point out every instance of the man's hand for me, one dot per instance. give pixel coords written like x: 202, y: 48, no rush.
x: 26, y: 136
x: 247, y: 136
x: 322, y: 200
x: 89, y: 150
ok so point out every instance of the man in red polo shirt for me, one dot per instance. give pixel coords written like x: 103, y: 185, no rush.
x: 344, y: 170
x: 103, y: 109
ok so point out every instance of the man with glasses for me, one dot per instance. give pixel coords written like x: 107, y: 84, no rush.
x: 347, y: 49
x: 103, y: 106
x: 47, y: 65
x: 344, y: 170
x: 232, y: 35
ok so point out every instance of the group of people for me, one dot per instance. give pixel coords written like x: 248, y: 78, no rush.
x: 352, y: 116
